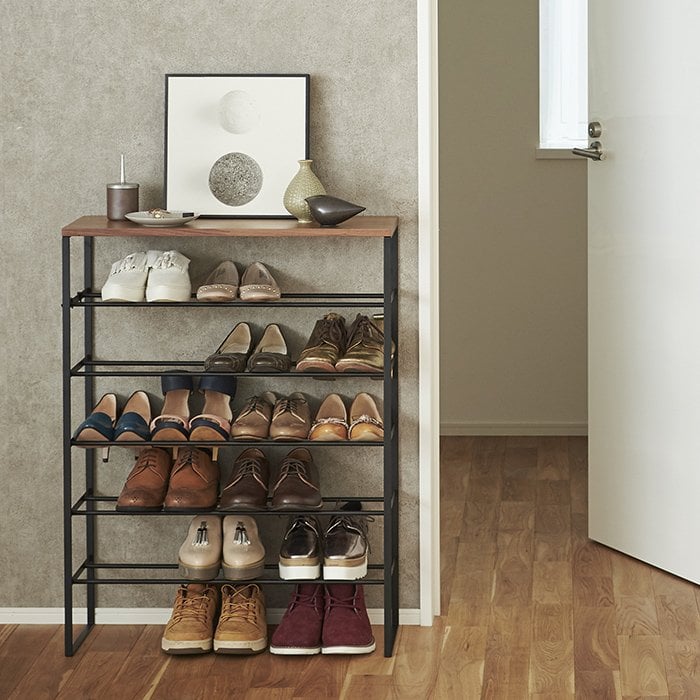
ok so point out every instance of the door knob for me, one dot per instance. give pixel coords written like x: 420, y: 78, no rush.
x: 594, y: 151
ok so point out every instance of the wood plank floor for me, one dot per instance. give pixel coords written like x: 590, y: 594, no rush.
x: 531, y: 609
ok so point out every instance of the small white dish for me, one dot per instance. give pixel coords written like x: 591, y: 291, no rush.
x: 167, y: 219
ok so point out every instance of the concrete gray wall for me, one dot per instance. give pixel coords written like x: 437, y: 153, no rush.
x: 82, y: 82
x: 512, y: 235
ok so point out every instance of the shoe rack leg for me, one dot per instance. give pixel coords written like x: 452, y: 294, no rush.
x: 88, y: 341
x: 391, y: 506
x: 67, y: 481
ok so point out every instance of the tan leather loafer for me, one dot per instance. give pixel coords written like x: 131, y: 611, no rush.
x: 253, y: 420
x: 331, y: 422
x: 365, y: 420
x: 147, y: 482
x: 291, y: 418
x: 194, y: 481
x: 244, y: 553
x: 199, y: 557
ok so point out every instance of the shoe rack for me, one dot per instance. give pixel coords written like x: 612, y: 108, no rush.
x: 79, y: 465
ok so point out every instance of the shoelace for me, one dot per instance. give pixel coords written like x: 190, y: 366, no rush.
x: 345, y: 521
x: 303, y: 600
x: 190, y: 606
x: 349, y: 603
x: 293, y: 467
x: 363, y: 329
x: 330, y: 331
x: 288, y: 405
x: 247, y: 467
x: 146, y: 462
x: 300, y: 522
x: 255, y: 404
x: 236, y: 604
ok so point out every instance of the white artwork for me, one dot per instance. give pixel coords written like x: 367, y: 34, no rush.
x: 233, y: 142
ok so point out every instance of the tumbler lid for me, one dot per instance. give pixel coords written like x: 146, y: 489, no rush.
x: 122, y: 185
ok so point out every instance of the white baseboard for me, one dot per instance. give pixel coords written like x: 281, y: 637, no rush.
x: 153, y: 616
x: 513, y: 428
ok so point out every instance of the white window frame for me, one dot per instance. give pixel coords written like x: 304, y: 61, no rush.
x: 563, y: 74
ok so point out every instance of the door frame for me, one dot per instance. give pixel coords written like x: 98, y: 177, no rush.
x: 428, y: 311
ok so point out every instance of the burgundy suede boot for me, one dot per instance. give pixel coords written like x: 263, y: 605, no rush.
x: 300, y: 629
x: 346, y: 628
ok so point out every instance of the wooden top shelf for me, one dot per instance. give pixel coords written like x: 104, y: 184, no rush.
x: 359, y: 226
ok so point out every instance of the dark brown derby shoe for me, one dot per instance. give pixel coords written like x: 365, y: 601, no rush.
x: 297, y: 484
x: 194, y: 482
x: 247, y: 487
x: 147, y: 482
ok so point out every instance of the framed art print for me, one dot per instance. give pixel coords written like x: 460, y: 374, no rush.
x: 233, y: 142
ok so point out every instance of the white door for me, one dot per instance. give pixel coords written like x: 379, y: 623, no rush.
x: 644, y: 281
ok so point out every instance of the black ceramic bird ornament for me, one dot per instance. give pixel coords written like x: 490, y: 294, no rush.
x: 331, y: 211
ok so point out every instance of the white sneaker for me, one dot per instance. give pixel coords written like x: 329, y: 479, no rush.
x: 168, y: 279
x: 127, y: 279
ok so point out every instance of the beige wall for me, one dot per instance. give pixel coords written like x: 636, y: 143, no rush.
x: 512, y: 234
x: 82, y: 82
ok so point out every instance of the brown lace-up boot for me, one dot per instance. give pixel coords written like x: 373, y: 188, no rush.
x: 325, y: 346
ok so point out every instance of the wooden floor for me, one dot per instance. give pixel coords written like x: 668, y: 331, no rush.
x: 532, y: 609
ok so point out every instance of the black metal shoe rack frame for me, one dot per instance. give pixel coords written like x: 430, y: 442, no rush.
x: 93, y: 572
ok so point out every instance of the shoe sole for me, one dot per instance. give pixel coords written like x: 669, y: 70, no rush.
x: 203, y: 433
x: 186, y: 647
x: 349, y: 649
x: 246, y: 295
x: 342, y: 572
x: 219, y: 296
x: 296, y: 506
x: 356, y: 367
x: 168, y: 435
x: 168, y: 294
x: 253, y: 646
x: 290, y: 572
x: 315, y: 366
x: 130, y: 436
x: 123, y: 294
x: 198, y: 573
x: 243, y: 573
x: 295, y: 651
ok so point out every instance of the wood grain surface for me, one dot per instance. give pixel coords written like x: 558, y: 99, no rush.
x: 532, y: 609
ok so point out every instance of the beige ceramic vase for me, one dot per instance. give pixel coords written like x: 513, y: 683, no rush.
x: 304, y: 184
